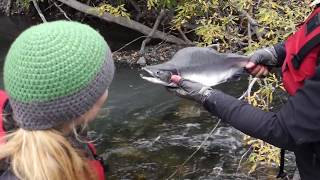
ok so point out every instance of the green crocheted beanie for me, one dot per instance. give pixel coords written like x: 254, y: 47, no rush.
x: 55, y: 72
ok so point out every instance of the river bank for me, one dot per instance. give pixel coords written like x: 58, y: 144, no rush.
x: 154, y: 54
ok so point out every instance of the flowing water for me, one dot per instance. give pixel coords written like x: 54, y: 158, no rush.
x: 144, y: 132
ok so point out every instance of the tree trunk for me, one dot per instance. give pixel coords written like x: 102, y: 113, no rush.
x: 126, y: 22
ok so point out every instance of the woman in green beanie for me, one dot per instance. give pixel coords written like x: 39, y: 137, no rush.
x: 56, y: 78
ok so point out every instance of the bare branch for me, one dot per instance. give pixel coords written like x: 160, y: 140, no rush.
x: 61, y: 10
x: 155, y: 27
x: 254, y: 24
x: 242, y: 157
x: 248, y: 91
x: 249, y: 34
x: 256, y: 30
x: 185, y: 38
x: 129, y: 43
x: 252, y: 21
x: 126, y: 22
x: 39, y: 10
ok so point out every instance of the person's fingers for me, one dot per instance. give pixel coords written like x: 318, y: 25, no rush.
x: 176, y: 79
x: 261, y: 71
x: 250, y: 65
x: 255, y: 70
x: 266, y: 72
x: 182, y: 83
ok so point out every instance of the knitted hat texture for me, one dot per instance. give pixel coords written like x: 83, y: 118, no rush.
x: 55, y: 72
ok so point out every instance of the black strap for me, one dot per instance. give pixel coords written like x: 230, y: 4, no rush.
x: 315, y: 41
x: 313, y: 23
x: 281, y: 173
x: 304, y: 51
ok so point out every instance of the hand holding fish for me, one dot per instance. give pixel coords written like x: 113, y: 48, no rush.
x: 190, y: 90
x: 261, y: 60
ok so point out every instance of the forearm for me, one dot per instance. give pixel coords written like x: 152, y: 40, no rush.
x: 250, y: 120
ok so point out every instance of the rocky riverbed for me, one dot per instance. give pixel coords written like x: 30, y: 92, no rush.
x: 153, y: 55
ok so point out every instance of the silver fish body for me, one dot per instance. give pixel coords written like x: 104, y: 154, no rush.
x: 203, y: 65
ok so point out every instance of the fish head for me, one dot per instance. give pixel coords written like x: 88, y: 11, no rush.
x: 159, y: 76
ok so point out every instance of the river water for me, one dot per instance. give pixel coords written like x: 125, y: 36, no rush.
x: 144, y: 132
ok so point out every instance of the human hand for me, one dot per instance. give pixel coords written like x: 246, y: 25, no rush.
x: 261, y: 60
x: 257, y: 70
x: 189, y: 89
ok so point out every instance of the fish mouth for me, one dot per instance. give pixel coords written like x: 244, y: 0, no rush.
x: 158, y: 76
x: 149, y: 72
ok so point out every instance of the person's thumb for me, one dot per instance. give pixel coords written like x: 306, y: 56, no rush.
x: 176, y: 79
x: 250, y: 65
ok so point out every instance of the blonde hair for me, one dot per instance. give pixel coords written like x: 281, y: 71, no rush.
x: 44, y: 155
x: 47, y: 154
